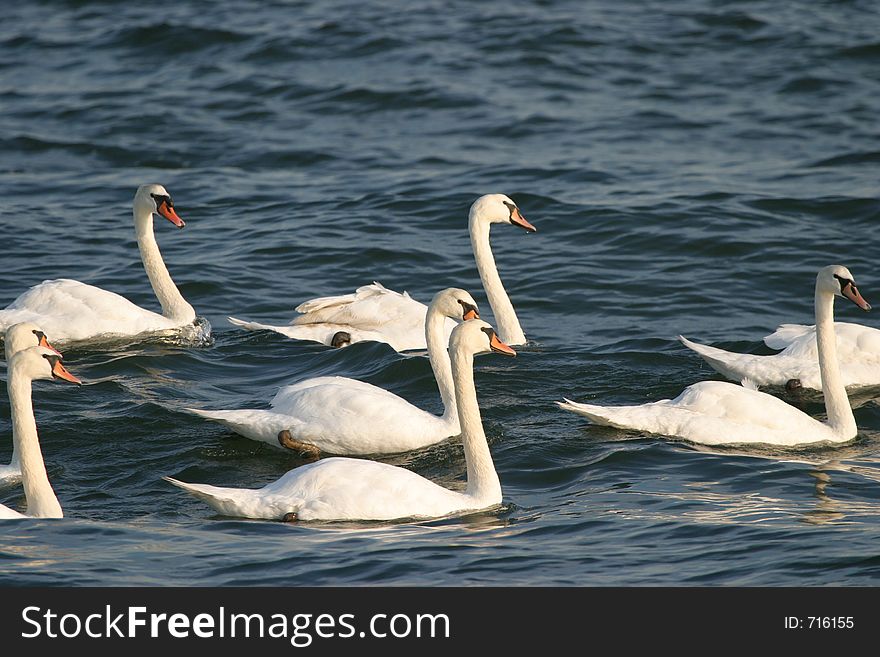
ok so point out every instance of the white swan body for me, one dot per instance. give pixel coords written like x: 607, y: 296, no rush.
x: 374, y: 312
x: 29, y: 365
x: 858, y: 349
x: 339, y: 415
x: 716, y: 412
x: 71, y: 311
x: 355, y: 489
x: 19, y: 337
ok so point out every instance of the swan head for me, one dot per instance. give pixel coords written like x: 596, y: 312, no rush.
x: 24, y: 335
x: 41, y: 363
x: 477, y: 337
x: 499, y: 209
x: 455, y: 303
x: 155, y: 199
x: 837, y: 280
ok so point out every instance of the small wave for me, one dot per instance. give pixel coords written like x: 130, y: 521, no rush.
x: 868, y: 157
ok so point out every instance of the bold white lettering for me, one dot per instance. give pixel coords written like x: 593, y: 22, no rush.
x: 178, y: 626
x: 134, y: 621
x: 203, y: 626
x: 154, y: 623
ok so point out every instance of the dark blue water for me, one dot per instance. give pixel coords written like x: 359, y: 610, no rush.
x: 689, y: 166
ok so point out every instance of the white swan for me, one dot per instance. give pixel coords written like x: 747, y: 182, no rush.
x: 716, y: 412
x: 343, y: 416
x: 797, y: 365
x: 356, y: 489
x: 71, y: 311
x: 19, y: 337
x: 374, y: 312
x: 32, y: 364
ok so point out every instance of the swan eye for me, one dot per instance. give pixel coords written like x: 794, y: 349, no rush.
x: 844, y: 282
x: 488, y: 331
x: 160, y: 199
x: 468, y: 308
x: 511, y: 207
x: 52, y: 358
x: 40, y: 335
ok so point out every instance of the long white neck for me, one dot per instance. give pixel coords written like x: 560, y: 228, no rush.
x: 482, y: 480
x: 41, y: 500
x: 840, y: 415
x: 435, y: 338
x: 174, y: 306
x: 506, y: 320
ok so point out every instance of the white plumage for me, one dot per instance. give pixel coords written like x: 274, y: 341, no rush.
x: 354, y: 489
x: 339, y: 415
x: 374, y: 312
x: 71, y: 311
x: 716, y: 412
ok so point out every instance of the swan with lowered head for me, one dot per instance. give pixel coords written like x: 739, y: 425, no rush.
x: 71, y: 311
x: 797, y: 365
x: 717, y: 412
x: 31, y: 364
x: 355, y: 489
x: 343, y: 416
x: 19, y: 337
x: 374, y: 312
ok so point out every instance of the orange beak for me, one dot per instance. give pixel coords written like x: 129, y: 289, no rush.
x: 499, y: 347
x: 45, y: 343
x: 168, y: 212
x: 60, y: 372
x: 517, y: 219
x: 851, y: 292
x: 471, y: 314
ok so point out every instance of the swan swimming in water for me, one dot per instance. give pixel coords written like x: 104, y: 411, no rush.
x: 718, y: 413
x: 71, y: 311
x: 356, y: 489
x: 19, y: 337
x: 32, y: 364
x: 797, y: 365
x: 374, y: 312
x: 343, y: 416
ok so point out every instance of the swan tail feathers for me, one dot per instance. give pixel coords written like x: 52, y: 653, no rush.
x: 255, y: 424
x: 235, y: 502
x: 604, y: 415
x: 719, y: 360
x: 250, y: 326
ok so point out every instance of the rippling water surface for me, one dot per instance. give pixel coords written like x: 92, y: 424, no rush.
x: 689, y: 166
